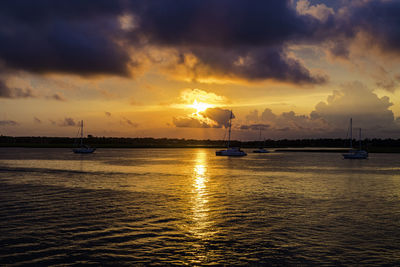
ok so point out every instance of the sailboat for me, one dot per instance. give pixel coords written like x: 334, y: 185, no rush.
x: 353, y: 153
x: 83, y: 149
x: 231, y: 151
x: 261, y: 149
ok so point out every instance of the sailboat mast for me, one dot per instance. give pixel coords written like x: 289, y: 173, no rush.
x: 81, y: 132
x: 230, y: 125
x: 351, y: 133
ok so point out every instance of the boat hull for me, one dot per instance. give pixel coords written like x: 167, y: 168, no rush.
x: 359, y: 154
x: 231, y: 152
x: 260, y: 151
x: 83, y: 150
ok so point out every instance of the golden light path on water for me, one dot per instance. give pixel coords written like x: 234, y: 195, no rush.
x: 189, y: 207
x: 200, y: 202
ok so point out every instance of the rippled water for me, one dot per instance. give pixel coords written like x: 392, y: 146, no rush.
x: 186, y: 206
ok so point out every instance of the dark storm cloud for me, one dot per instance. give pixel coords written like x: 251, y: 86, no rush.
x: 381, y: 19
x: 340, y: 48
x: 231, y: 38
x: 219, y: 23
x: 247, y: 25
x: 61, y: 36
x: 256, y: 64
x: 80, y: 36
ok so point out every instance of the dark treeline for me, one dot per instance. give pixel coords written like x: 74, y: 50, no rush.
x: 373, y: 145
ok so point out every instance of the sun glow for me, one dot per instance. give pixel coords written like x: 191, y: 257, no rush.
x: 200, y: 106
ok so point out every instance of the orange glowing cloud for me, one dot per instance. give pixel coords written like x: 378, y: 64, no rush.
x: 201, y: 101
x: 196, y: 98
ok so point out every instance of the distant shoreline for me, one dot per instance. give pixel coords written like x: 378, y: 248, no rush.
x: 272, y: 149
x: 300, y: 145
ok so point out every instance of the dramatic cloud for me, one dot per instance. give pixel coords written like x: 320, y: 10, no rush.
x: 210, y: 118
x: 331, y: 118
x: 386, y: 82
x: 226, y: 39
x: 366, y: 24
x: 218, y: 23
x: 319, y: 11
x: 356, y: 101
x: 7, y: 92
x: 283, y: 122
x: 218, y: 115
x: 251, y: 64
x: 95, y: 37
x: 380, y: 19
x: 65, y: 36
x: 232, y: 39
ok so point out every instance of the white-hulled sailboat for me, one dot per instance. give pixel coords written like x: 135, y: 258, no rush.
x: 354, y: 153
x: 83, y: 149
x: 231, y: 151
x: 261, y: 149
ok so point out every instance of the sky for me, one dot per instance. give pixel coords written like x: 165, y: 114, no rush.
x: 176, y: 68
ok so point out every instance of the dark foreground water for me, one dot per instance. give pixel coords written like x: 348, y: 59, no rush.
x: 186, y: 206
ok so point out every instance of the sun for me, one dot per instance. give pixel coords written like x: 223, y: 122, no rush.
x: 200, y: 106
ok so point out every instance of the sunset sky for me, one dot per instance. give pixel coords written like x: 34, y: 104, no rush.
x: 174, y: 68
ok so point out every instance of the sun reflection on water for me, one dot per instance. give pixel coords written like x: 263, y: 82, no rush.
x: 200, y: 205
x: 199, y: 171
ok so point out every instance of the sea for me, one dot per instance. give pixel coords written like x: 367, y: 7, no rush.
x: 125, y: 207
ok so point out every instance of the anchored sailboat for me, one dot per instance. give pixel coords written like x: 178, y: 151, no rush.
x: 231, y: 151
x: 353, y: 153
x: 83, y: 149
x: 261, y: 149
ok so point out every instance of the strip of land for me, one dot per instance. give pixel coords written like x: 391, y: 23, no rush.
x: 285, y: 145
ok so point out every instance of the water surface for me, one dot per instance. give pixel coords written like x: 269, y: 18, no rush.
x: 187, y: 206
